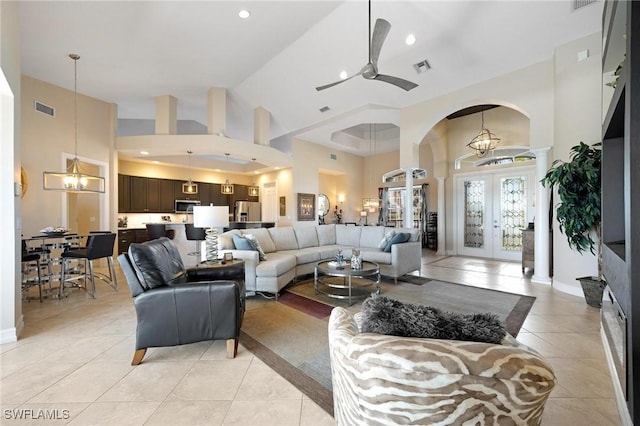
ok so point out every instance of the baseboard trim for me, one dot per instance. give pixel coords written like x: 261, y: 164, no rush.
x: 621, y: 403
x: 573, y: 289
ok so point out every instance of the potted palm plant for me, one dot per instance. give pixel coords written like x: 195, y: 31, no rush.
x: 578, y: 212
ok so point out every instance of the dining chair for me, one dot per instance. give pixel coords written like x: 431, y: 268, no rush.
x: 99, y: 246
x: 195, y: 234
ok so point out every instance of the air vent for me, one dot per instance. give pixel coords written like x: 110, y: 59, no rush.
x: 334, y: 157
x: 45, y: 109
x: 422, y: 66
x: 577, y: 4
x: 324, y: 109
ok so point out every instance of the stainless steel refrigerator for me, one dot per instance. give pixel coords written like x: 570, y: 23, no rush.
x: 247, y: 211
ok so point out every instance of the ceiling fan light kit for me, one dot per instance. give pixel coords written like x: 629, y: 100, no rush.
x: 370, y: 70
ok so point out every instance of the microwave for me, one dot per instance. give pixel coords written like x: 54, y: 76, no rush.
x: 185, y: 206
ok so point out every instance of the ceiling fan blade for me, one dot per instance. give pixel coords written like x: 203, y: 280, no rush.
x: 401, y: 83
x: 380, y: 32
x: 326, y: 86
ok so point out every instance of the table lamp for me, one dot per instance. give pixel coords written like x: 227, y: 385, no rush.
x: 211, y: 217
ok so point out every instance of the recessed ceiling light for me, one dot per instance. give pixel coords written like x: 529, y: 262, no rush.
x: 244, y: 14
x: 343, y: 74
x: 410, y: 40
x: 155, y: 162
x: 144, y: 152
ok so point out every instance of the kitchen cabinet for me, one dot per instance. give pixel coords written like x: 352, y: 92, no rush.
x: 124, y: 193
x: 138, y: 193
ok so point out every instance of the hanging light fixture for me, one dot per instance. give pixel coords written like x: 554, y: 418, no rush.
x: 227, y: 188
x: 485, y: 141
x: 254, y: 190
x: 72, y: 179
x: 371, y: 204
x: 189, y: 187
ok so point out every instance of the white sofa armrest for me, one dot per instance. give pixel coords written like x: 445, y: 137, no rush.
x: 406, y: 257
x: 251, y: 260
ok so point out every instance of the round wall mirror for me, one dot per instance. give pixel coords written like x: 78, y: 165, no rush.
x: 323, y: 205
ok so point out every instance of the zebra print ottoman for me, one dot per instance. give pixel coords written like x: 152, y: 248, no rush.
x: 386, y: 380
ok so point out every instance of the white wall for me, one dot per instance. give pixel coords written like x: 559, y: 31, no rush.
x: 11, y: 320
x: 577, y: 117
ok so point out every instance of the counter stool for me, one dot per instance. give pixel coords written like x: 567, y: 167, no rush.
x: 194, y: 234
x: 99, y: 246
x: 158, y: 230
x: 28, y: 259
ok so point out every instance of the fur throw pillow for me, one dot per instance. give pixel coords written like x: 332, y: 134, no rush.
x: 387, y: 316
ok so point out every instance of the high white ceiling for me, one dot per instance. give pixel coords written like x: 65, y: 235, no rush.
x: 133, y: 51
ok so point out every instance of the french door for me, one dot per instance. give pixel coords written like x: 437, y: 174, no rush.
x: 491, y: 210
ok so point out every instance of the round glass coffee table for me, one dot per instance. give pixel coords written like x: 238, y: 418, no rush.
x: 343, y: 282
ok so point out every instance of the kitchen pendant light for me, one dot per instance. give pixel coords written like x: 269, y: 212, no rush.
x: 254, y: 190
x: 485, y: 141
x: 189, y: 187
x: 72, y: 179
x: 227, y: 188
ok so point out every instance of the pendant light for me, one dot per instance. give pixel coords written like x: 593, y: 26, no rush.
x: 254, y: 190
x: 72, y: 179
x: 189, y: 187
x: 227, y: 188
x: 371, y: 204
x: 485, y: 141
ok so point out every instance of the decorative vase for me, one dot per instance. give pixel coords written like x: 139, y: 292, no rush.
x: 593, y: 288
x: 356, y: 260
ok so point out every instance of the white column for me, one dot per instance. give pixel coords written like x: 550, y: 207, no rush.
x: 442, y: 244
x: 408, y: 198
x: 261, y: 126
x: 217, y: 111
x: 166, y: 115
x: 541, y: 229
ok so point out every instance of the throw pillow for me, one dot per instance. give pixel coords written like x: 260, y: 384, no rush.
x: 255, y: 245
x: 401, y: 237
x: 387, y: 316
x: 386, y: 239
x: 241, y: 242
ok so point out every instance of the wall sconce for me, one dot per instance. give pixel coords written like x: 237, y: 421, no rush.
x: 341, y: 198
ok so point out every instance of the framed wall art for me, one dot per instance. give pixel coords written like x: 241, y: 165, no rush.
x: 306, y: 206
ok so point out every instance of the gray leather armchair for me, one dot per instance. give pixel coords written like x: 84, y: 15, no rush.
x: 176, y: 307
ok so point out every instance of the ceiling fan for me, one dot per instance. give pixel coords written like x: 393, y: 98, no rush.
x: 370, y: 70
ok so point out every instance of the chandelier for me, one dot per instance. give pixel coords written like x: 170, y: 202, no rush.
x: 189, y: 187
x: 72, y: 179
x: 371, y: 204
x: 484, y: 141
x: 226, y: 187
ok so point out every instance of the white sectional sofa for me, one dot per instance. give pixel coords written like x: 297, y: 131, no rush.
x: 294, y: 251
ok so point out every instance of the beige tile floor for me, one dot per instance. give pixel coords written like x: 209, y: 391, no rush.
x: 73, y: 360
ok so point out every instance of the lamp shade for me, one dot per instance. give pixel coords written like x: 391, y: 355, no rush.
x: 210, y: 216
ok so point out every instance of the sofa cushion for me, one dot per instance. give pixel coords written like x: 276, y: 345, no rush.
x: 385, y: 240
x: 308, y: 255
x: 383, y: 315
x: 241, y: 243
x: 284, y: 238
x: 278, y: 264
x: 255, y: 245
x: 225, y: 240
x: 401, y: 237
x: 370, y: 236
x: 327, y: 252
x: 375, y: 255
x: 414, y: 233
x: 326, y: 234
x: 307, y: 236
x: 348, y: 235
x: 263, y: 237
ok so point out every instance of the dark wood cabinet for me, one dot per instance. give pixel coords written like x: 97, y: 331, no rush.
x: 138, y: 194
x: 128, y: 236
x: 124, y: 193
x: 621, y: 197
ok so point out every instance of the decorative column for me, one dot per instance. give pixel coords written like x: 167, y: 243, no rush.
x: 217, y: 111
x: 408, y: 198
x: 442, y: 243
x: 166, y: 115
x: 541, y: 229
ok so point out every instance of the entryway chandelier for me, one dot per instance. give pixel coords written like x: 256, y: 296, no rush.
x: 189, y: 187
x: 485, y: 141
x: 72, y: 179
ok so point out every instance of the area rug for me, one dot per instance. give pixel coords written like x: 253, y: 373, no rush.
x: 290, y: 335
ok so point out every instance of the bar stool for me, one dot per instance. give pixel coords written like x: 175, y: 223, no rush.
x: 194, y: 234
x: 158, y: 230
x: 99, y: 246
x: 27, y: 264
